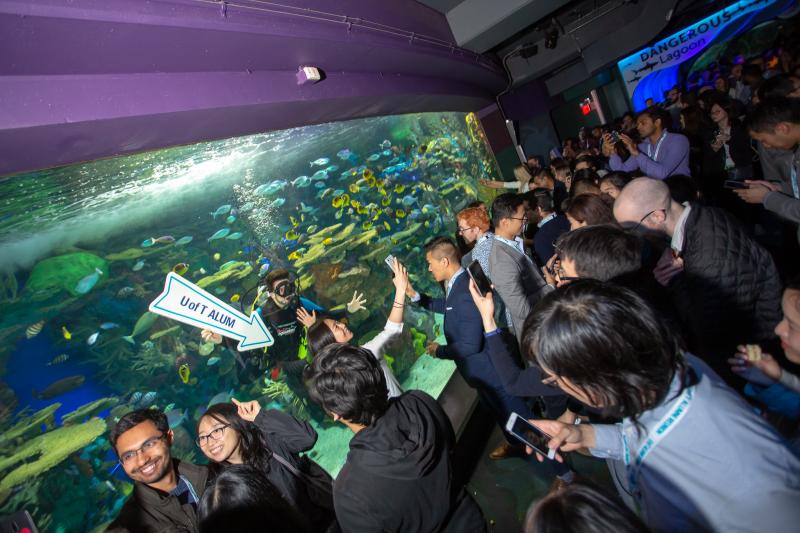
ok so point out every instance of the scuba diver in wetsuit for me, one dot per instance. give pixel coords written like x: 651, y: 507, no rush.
x: 286, y: 315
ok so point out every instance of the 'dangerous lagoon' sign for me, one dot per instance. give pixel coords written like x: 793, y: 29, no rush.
x: 684, y: 44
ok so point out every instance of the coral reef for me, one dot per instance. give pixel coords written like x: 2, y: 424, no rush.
x: 90, y: 409
x: 62, y: 273
x: 28, y: 426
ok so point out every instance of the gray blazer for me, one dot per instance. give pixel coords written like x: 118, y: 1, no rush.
x: 517, y: 281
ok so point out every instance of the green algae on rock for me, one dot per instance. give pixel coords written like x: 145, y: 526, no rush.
x: 62, y: 273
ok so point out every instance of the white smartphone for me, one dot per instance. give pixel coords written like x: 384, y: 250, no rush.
x: 389, y: 262
x: 530, y: 435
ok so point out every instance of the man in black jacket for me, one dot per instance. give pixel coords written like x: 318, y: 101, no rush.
x: 724, y: 284
x: 398, y: 474
x: 166, y: 491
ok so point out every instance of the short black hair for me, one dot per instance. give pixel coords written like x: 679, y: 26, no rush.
x: 243, y: 499
x: 682, y: 188
x: 580, y: 508
x: 541, y: 198
x: 443, y: 247
x: 134, y: 418
x: 505, y: 206
x: 348, y: 381
x: 608, y: 342
x: 617, y: 178
x: 601, y: 252
x: 585, y: 174
x: 585, y: 159
x: 772, y: 112
x: 657, y: 113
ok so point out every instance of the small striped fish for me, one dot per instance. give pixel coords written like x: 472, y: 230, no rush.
x: 34, y: 329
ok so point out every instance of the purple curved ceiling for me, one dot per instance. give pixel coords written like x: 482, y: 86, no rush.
x: 97, y: 78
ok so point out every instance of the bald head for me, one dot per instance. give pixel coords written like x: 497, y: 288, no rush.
x: 641, y: 197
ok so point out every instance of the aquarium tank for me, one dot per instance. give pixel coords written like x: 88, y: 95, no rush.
x: 85, y: 248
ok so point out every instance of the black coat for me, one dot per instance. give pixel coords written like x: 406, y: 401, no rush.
x: 729, y: 292
x: 398, y: 474
x: 151, y: 511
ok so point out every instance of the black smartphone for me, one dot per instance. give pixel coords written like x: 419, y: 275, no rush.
x: 735, y: 184
x: 18, y: 522
x: 479, y: 277
x: 530, y: 435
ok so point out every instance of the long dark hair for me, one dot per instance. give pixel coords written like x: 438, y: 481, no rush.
x: 319, y: 336
x: 607, y: 341
x: 252, y: 443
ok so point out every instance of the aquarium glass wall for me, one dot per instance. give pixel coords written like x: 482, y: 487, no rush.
x: 84, y: 249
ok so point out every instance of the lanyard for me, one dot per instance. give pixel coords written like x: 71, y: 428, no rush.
x: 658, y: 147
x: 676, y: 412
x: 795, y: 188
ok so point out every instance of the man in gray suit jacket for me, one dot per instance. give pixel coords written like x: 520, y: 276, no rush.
x: 515, y: 276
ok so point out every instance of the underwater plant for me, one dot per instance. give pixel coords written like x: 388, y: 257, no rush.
x: 280, y: 391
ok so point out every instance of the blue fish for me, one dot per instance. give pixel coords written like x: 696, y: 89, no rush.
x: 386, y: 144
x: 92, y: 338
x: 332, y: 168
x: 86, y: 284
x: 306, y: 209
x: 374, y: 157
x: 319, y: 162
x: 149, y: 397
x: 212, y: 361
x: 408, y: 200
x: 277, y: 202
x: 247, y: 207
x: 135, y: 397
x: 301, y: 181
x: 386, y: 153
x: 319, y: 184
x: 184, y: 240
x: 230, y: 220
x: 338, y: 192
x: 320, y: 175
x: 138, y: 266
x: 221, y: 210
x: 233, y: 236
x: 109, y: 325
x: 219, y: 234
x: 264, y: 269
x: 175, y: 417
x: 344, y: 153
x: 147, y: 243
x: 271, y: 188
x: 289, y: 244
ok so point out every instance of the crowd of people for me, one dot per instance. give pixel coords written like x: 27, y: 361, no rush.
x: 644, y: 308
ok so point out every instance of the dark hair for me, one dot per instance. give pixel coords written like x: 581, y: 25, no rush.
x: 725, y: 102
x: 590, y: 208
x: 252, y: 443
x: 443, y: 247
x: 585, y: 159
x: 319, y: 336
x: 682, y: 188
x: 546, y: 172
x: 657, y: 113
x: 607, y: 341
x: 617, y: 178
x: 771, y: 112
x: 601, y: 252
x: 134, y: 418
x: 585, y: 174
x: 242, y: 499
x: 581, y: 509
x: 541, y: 198
x: 695, y: 120
x: 504, y: 206
x: 276, y: 275
x: 776, y: 87
x: 348, y: 381
x: 751, y: 70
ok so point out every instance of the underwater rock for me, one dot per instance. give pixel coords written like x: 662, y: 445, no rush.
x: 38, y: 455
x: 62, y: 273
x: 90, y: 409
x: 237, y: 270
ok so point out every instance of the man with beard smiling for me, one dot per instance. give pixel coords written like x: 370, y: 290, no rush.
x: 166, y: 490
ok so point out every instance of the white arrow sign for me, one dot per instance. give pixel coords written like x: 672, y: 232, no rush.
x: 185, y: 302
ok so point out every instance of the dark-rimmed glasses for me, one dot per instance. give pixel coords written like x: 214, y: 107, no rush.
x: 148, y: 445
x: 462, y: 230
x: 636, y: 227
x: 214, y: 434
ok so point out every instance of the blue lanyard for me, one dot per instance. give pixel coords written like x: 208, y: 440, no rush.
x: 795, y: 188
x: 654, y: 157
x: 679, y: 408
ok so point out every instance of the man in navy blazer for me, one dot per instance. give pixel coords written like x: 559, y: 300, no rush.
x: 463, y: 329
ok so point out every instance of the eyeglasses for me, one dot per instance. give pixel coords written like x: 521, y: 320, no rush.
x: 214, y: 434
x: 148, y: 445
x: 462, y: 230
x: 636, y: 227
x: 524, y: 218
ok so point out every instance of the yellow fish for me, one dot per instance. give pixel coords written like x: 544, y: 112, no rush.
x: 366, y: 225
x: 327, y: 240
x: 386, y: 201
x: 337, y: 202
x: 399, y: 188
x: 180, y: 269
x: 217, y: 256
x: 183, y: 373
x: 355, y: 203
x: 291, y: 235
x: 295, y: 255
x: 382, y: 191
x: 312, y: 228
x: 387, y: 226
x: 66, y: 333
x: 368, y: 173
x: 294, y: 221
x: 354, y: 188
x: 400, y: 213
x: 235, y: 298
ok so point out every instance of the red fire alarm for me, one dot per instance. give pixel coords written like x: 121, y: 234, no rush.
x: 586, y: 107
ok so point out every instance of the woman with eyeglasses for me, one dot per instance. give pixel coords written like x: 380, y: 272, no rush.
x: 328, y: 331
x: 271, y: 442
